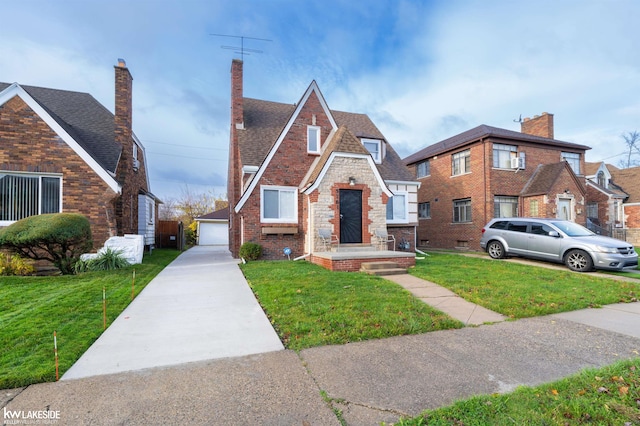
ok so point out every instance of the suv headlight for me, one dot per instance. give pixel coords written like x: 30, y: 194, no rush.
x: 604, y: 249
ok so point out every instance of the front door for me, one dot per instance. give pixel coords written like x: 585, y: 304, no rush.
x: 350, y: 216
x: 564, y: 209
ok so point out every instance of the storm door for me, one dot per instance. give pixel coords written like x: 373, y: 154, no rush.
x: 564, y: 209
x: 350, y: 216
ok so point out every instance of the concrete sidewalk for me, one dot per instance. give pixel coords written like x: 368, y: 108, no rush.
x: 200, y: 307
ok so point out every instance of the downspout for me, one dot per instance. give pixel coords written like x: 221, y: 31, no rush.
x: 484, y: 180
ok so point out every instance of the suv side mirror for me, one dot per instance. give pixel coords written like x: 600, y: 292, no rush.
x: 554, y: 234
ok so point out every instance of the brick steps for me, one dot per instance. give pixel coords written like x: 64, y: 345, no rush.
x: 382, y: 268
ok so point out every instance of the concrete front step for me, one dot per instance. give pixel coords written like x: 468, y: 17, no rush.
x: 353, y: 248
x: 382, y: 268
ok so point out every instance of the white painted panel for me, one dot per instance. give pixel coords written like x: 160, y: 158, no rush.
x: 213, y: 234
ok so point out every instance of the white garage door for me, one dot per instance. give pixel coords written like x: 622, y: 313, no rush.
x: 213, y: 234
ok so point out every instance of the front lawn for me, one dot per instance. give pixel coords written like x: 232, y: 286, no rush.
x: 606, y: 396
x: 32, y: 308
x: 311, y: 306
x: 521, y: 291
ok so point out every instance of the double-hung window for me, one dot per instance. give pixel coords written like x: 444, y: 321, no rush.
x: 462, y: 210
x: 502, y: 155
x: 374, y: 146
x: 397, y: 208
x: 461, y: 163
x: 574, y: 161
x: 423, y: 169
x: 505, y: 206
x: 279, y: 204
x: 313, y: 139
x: 24, y: 195
x: 424, y: 210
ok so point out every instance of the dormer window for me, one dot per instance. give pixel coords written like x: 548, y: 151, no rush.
x: 313, y: 139
x: 374, y: 146
x: 602, y: 180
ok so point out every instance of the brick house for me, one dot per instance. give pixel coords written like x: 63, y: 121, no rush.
x: 297, y: 169
x: 613, y: 201
x: 62, y: 151
x: 489, y: 172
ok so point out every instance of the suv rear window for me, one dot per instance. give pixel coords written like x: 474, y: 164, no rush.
x: 517, y: 226
x: 501, y: 224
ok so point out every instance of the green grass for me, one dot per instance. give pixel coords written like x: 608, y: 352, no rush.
x: 311, y: 306
x: 521, y: 291
x: 32, y: 308
x: 606, y: 396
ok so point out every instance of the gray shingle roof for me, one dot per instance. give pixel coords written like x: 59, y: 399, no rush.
x: 87, y: 121
x: 545, y: 176
x: 484, y: 131
x: 265, y: 120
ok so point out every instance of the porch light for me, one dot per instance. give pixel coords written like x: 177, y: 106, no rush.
x: 352, y: 181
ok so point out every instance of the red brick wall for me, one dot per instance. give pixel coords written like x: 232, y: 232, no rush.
x: 29, y: 145
x: 632, y: 214
x: 538, y: 125
x: 287, y: 168
x: 481, y: 185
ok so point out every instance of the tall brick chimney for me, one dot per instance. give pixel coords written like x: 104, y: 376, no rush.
x: 539, y: 125
x: 237, y: 111
x: 123, y: 116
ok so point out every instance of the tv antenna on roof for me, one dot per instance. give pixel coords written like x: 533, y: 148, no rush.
x: 518, y: 120
x: 241, y: 50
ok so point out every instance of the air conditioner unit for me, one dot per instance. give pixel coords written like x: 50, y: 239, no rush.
x: 136, y: 165
x: 517, y: 162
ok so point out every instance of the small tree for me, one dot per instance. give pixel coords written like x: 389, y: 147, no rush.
x: 632, y: 142
x: 59, y: 238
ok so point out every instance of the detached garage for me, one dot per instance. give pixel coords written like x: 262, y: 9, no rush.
x: 213, y: 228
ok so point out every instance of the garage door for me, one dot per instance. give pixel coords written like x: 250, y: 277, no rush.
x: 213, y: 234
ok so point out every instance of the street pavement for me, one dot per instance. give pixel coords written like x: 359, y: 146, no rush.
x: 366, y: 382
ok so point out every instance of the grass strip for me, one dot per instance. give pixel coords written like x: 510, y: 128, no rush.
x: 521, y: 291
x: 605, y: 396
x: 32, y: 308
x: 311, y: 306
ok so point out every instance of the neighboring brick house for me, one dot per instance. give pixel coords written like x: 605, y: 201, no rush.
x: 489, y: 172
x: 63, y: 151
x: 295, y: 169
x: 613, y: 201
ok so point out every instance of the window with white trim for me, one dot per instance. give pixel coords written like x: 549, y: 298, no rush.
x: 502, y: 155
x: 313, y: 139
x: 461, y: 163
x: 505, y: 206
x: 423, y: 169
x: 462, y: 210
x: 23, y: 195
x: 279, y: 204
x: 397, y: 208
x: 424, y: 210
x: 374, y: 146
x: 574, y: 161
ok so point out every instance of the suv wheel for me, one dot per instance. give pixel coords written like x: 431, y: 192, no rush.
x: 579, y: 261
x: 496, y: 250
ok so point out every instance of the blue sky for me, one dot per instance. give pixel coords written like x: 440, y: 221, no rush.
x: 422, y: 70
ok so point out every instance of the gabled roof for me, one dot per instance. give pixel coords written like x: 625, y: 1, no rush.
x: 222, y: 214
x: 265, y: 121
x: 629, y: 181
x: 484, y: 131
x: 590, y: 169
x: 85, y: 119
x: 545, y: 176
x: 613, y: 191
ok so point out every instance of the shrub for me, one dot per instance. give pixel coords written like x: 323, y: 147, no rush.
x: 15, y: 265
x: 107, y: 260
x: 250, y: 251
x: 59, y: 238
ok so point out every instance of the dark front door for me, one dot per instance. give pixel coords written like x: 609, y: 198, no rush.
x: 350, y: 216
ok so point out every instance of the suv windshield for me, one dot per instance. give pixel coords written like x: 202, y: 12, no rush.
x: 573, y: 229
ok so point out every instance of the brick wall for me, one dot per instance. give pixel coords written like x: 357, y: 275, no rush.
x: 484, y: 182
x: 353, y: 265
x: 539, y: 125
x: 29, y: 145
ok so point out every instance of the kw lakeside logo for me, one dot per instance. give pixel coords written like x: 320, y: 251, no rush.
x: 31, y: 417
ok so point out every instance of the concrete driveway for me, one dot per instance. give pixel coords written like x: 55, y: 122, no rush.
x: 198, y: 308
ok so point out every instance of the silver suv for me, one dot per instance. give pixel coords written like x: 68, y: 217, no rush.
x: 558, y: 241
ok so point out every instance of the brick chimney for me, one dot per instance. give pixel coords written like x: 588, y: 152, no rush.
x: 237, y: 111
x: 123, y: 116
x: 539, y: 125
